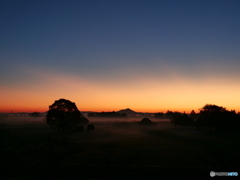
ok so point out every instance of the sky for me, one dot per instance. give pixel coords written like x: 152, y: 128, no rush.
x: 107, y: 55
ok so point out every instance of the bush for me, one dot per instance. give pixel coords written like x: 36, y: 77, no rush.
x: 145, y: 121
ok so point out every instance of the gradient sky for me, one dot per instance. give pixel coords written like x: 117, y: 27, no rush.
x: 107, y: 55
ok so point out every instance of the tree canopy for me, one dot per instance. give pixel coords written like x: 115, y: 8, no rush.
x: 64, y: 114
x: 212, y: 108
x: 217, y: 117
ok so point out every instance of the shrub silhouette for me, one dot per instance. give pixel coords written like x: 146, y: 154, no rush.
x: 90, y: 127
x: 64, y: 114
x: 145, y: 121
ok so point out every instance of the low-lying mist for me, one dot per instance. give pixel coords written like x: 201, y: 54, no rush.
x: 121, y: 143
x: 105, y: 128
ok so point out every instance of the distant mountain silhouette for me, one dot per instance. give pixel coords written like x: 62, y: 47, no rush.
x: 128, y: 111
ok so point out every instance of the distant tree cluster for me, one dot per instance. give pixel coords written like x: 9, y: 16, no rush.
x: 64, y: 115
x: 180, y: 119
x: 108, y: 114
x: 159, y: 115
x: 210, y: 117
x: 218, y: 118
x: 35, y: 114
x: 172, y: 115
x: 183, y: 120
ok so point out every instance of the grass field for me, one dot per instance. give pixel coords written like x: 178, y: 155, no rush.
x: 114, y: 150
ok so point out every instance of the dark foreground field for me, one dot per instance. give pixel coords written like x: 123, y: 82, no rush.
x: 29, y: 149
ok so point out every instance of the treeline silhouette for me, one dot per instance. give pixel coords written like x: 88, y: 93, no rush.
x: 35, y: 114
x: 217, y: 117
x: 65, y: 116
x: 55, y: 153
x: 211, y: 117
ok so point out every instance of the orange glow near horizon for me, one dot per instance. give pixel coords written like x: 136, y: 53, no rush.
x: 143, y: 94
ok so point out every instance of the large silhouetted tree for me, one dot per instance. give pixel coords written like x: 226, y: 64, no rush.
x: 212, y: 108
x: 64, y: 114
x: 217, y: 117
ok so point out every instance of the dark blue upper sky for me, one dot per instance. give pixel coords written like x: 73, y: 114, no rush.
x: 113, y: 40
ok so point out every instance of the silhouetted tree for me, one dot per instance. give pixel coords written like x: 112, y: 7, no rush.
x: 194, y: 115
x: 64, y: 114
x: 90, y: 127
x: 211, y: 108
x: 168, y: 114
x: 217, y: 117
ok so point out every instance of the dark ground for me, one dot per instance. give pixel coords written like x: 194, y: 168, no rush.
x: 121, y: 150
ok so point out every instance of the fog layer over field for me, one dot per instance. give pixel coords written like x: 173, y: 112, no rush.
x: 28, y: 120
x: 119, y: 144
